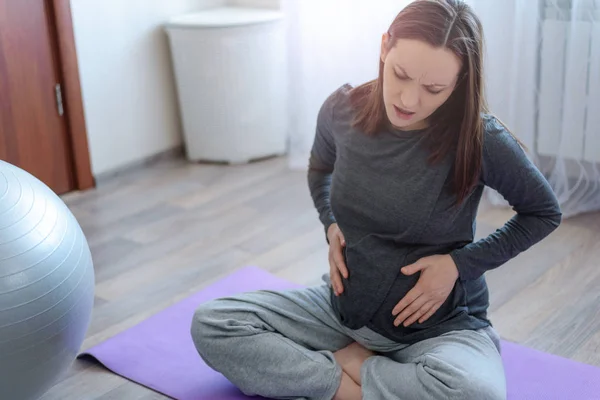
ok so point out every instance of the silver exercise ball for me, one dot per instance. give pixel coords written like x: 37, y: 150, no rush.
x: 46, y: 286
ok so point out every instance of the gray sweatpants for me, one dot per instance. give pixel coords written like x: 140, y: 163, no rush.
x: 280, y: 344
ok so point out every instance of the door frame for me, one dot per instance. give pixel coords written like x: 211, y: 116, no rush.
x: 60, y: 14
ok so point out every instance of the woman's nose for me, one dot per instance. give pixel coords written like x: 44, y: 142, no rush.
x: 409, y: 98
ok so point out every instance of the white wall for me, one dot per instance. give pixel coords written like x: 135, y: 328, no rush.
x: 276, y: 4
x: 127, y: 80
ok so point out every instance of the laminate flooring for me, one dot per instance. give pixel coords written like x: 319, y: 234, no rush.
x: 161, y: 233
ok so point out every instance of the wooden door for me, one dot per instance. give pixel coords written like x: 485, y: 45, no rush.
x: 33, y: 130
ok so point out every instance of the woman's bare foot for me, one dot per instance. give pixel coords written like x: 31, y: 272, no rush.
x: 351, y: 358
x: 348, y: 389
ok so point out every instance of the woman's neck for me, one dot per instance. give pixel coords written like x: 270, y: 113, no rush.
x: 422, y: 124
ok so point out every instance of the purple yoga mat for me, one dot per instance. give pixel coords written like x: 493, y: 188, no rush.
x: 158, y: 353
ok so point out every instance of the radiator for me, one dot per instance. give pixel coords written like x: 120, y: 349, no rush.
x: 569, y: 80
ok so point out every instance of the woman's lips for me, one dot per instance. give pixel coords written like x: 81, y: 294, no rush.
x: 403, y: 114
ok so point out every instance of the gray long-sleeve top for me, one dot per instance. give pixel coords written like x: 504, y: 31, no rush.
x: 393, y: 208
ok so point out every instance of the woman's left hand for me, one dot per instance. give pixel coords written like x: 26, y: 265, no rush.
x: 438, y: 276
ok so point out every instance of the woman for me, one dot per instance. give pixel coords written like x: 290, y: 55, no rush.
x: 397, y: 171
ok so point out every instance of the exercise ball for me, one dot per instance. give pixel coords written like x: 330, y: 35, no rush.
x: 46, y: 286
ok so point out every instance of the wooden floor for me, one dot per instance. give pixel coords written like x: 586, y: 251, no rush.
x: 159, y: 234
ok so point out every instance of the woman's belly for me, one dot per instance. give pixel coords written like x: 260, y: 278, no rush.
x: 375, y: 285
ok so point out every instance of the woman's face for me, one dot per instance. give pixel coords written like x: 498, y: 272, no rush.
x: 417, y: 79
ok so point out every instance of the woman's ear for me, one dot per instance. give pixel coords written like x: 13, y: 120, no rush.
x: 384, y: 46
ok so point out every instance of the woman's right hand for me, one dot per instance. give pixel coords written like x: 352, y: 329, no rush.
x: 337, y: 266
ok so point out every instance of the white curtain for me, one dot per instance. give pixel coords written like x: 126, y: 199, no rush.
x: 543, y: 80
x: 542, y: 74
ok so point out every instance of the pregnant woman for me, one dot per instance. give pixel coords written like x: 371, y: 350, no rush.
x: 396, y: 172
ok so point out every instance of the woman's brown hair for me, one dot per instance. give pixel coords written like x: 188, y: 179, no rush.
x: 457, y: 125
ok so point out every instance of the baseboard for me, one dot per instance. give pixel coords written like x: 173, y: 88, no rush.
x: 167, y: 155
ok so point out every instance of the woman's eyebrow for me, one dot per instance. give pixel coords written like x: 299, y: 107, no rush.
x: 427, y: 84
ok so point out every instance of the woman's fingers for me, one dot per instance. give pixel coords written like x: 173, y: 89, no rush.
x: 413, y: 307
x: 335, y: 277
x: 430, y: 313
x: 411, y: 296
x: 420, y: 312
x: 337, y: 265
x: 342, y: 239
x: 338, y: 257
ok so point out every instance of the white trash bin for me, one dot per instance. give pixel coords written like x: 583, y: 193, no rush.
x: 230, y: 71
